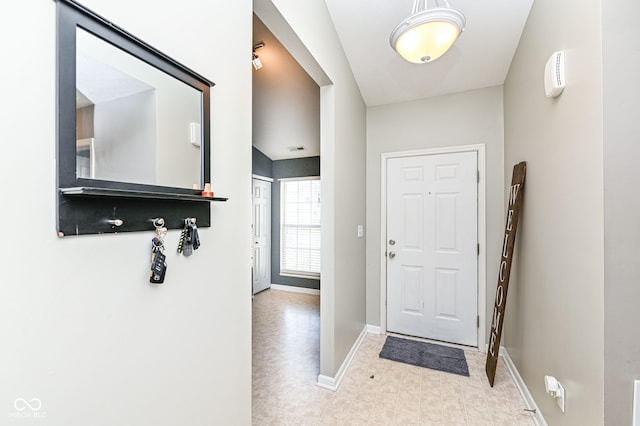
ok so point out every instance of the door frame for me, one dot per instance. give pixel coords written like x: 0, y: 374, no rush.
x: 269, y: 180
x: 264, y: 178
x: 482, y: 230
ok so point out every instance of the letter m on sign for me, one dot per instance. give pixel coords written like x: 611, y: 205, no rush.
x: 513, y: 214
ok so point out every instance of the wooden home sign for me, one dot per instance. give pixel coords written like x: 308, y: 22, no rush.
x: 513, y: 214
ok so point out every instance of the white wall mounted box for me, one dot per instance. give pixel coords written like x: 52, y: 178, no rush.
x: 195, y: 134
x: 554, y: 80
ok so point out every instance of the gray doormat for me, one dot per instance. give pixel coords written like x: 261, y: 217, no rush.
x: 423, y: 354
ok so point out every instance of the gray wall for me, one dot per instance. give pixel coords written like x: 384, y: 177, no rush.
x: 621, y: 68
x: 261, y: 164
x: 554, y: 315
x: 467, y: 118
x: 84, y: 331
x: 298, y: 167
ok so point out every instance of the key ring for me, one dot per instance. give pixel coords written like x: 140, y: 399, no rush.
x: 158, y: 241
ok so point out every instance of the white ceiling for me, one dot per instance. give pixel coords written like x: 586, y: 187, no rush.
x: 480, y: 57
x: 99, y: 82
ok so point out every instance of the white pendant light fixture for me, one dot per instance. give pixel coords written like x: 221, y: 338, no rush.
x: 427, y: 34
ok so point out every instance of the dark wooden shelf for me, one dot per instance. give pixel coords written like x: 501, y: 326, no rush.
x: 126, y: 193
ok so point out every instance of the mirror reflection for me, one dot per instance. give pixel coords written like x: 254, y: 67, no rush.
x: 134, y: 123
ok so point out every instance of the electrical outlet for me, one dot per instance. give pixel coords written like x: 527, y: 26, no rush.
x: 555, y: 390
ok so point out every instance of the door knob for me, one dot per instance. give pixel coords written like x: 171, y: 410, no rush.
x: 392, y: 242
x: 392, y: 255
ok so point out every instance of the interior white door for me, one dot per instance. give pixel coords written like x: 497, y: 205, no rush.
x: 432, y: 247
x: 261, y: 235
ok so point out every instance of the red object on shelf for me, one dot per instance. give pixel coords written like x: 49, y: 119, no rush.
x: 207, y: 190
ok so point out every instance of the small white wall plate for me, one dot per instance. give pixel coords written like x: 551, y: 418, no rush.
x: 195, y: 134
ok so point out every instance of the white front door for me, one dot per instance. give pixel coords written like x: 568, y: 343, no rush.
x: 432, y: 247
x: 261, y: 235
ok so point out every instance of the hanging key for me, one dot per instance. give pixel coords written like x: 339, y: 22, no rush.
x: 158, y: 259
x: 187, y: 246
x: 158, y: 267
x: 195, y: 238
x: 188, y: 235
x: 181, y: 241
x: 187, y: 250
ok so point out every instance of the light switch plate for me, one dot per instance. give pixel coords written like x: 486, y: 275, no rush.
x: 360, y: 231
x: 195, y: 134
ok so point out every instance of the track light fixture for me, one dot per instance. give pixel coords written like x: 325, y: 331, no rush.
x: 427, y: 34
x: 255, y: 60
x: 257, y: 63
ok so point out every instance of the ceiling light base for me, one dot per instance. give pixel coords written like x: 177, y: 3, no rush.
x: 428, y: 34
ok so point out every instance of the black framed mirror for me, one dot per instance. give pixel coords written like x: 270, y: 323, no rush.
x: 133, y: 130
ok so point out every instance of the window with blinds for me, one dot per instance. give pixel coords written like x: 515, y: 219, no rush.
x: 300, y: 227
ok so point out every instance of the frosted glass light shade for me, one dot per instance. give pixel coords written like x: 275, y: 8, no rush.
x: 427, y: 35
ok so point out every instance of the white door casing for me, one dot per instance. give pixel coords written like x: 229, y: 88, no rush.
x: 432, y: 246
x: 261, y: 235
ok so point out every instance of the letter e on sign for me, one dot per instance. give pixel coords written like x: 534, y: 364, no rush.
x: 509, y: 220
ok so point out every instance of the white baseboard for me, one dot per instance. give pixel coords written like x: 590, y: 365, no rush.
x: 332, y: 383
x: 294, y: 289
x: 373, y: 329
x: 636, y: 403
x: 327, y: 382
x: 522, y: 388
